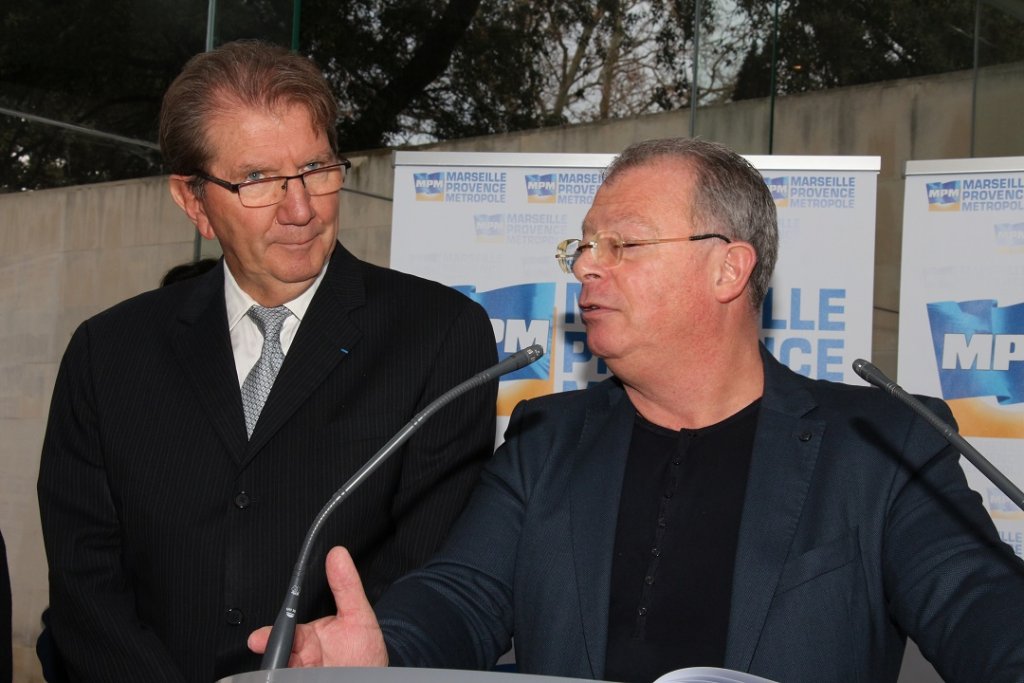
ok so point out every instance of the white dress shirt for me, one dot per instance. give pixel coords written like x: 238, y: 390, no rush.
x: 246, y: 338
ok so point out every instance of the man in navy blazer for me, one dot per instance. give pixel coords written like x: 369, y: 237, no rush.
x: 170, y: 530
x: 706, y: 506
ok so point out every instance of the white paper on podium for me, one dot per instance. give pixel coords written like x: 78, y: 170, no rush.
x: 388, y: 675
x: 413, y: 675
x: 705, y: 674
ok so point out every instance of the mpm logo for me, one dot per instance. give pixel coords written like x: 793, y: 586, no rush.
x: 541, y: 189
x: 779, y: 187
x: 429, y: 186
x: 944, y: 196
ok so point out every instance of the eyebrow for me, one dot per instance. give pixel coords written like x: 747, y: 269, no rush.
x: 632, y: 219
x: 244, y: 168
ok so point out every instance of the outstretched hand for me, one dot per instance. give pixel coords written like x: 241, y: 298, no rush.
x: 350, y: 638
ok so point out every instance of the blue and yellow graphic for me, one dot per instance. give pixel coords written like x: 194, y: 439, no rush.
x: 541, y: 188
x: 779, y: 188
x: 489, y: 227
x: 521, y: 315
x: 1009, y: 234
x: 429, y: 186
x: 943, y: 196
x: 979, y: 351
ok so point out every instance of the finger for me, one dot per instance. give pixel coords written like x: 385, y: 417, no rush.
x: 306, y: 649
x: 258, y: 640
x: 345, y: 584
x: 353, y: 637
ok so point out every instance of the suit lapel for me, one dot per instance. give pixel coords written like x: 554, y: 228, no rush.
x: 323, y: 340
x: 598, y: 466
x: 202, y: 345
x: 785, y: 452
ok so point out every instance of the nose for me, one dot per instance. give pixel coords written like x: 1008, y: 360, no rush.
x: 296, y: 208
x: 586, y: 266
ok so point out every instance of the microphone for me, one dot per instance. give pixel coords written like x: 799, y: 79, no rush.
x: 873, y: 375
x: 279, y: 645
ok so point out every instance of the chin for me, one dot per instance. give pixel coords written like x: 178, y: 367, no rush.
x: 602, y: 350
x: 299, y: 269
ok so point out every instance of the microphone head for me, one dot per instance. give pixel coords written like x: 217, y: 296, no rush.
x: 860, y: 367
x: 533, y: 352
x: 523, y: 357
x: 872, y: 375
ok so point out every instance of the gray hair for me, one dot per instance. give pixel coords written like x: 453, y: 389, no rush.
x: 247, y: 73
x: 730, y: 197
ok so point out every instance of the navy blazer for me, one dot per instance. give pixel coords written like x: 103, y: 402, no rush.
x: 858, y: 528
x: 170, y: 536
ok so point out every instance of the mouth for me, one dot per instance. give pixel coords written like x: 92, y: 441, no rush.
x: 591, y: 310
x: 298, y: 244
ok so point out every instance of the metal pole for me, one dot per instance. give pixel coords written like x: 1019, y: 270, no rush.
x: 296, y: 16
x: 974, y: 80
x: 211, y: 20
x: 774, y: 68
x: 79, y: 129
x: 696, y: 61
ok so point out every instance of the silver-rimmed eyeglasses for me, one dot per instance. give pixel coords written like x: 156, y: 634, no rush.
x: 261, y: 192
x: 607, y: 246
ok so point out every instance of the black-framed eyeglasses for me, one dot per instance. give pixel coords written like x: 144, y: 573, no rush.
x: 256, y: 194
x: 607, y: 246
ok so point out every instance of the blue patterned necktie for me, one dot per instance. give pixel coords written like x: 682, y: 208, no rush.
x: 257, y: 384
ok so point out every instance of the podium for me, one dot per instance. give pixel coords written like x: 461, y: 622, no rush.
x: 353, y: 674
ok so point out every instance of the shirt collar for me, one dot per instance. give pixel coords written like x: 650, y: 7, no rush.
x: 238, y: 302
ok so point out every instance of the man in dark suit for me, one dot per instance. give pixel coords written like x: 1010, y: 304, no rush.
x: 174, y: 492
x: 706, y: 506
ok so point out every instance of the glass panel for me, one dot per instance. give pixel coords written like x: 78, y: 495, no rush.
x: 998, y: 92
x: 107, y: 73
x: 729, y: 37
x: 269, y: 20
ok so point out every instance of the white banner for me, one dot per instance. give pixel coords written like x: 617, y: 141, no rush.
x: 488, y: 224
x: 961, y: 332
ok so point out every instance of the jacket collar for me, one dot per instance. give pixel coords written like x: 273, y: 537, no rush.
x: 786, y: 446
x: 203, y: 346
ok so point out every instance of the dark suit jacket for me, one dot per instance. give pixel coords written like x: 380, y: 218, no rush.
x: 6, y: 657
x: 858, y: 528
x: 170, y: 536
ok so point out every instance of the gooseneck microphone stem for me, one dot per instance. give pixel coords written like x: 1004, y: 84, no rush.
x: 279, y: 645
x: 873, y: 375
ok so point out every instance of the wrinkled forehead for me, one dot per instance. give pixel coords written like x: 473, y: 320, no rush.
x: 642, y: 200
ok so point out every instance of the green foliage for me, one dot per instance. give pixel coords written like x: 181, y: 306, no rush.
x: 412, y: 71
x: 828, y: 45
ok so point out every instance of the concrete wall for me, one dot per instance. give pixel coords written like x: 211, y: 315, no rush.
x: 66, y: 254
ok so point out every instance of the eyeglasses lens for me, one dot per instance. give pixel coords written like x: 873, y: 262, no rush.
x: 608, y: 248
x: 273, y: 190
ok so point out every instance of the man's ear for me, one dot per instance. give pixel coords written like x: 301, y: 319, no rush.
x: 734, y: 270
x: 193, y: 207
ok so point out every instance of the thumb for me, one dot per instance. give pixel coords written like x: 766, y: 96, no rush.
x: 346, y: 586
x: 353, y: 638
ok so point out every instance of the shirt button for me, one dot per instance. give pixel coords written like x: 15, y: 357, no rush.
x: 805, y: 436
x: 648, y: 580
x: 242, y: 500
x: 655, y: 552
x: 642, y: 611
x: 234, y: 617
